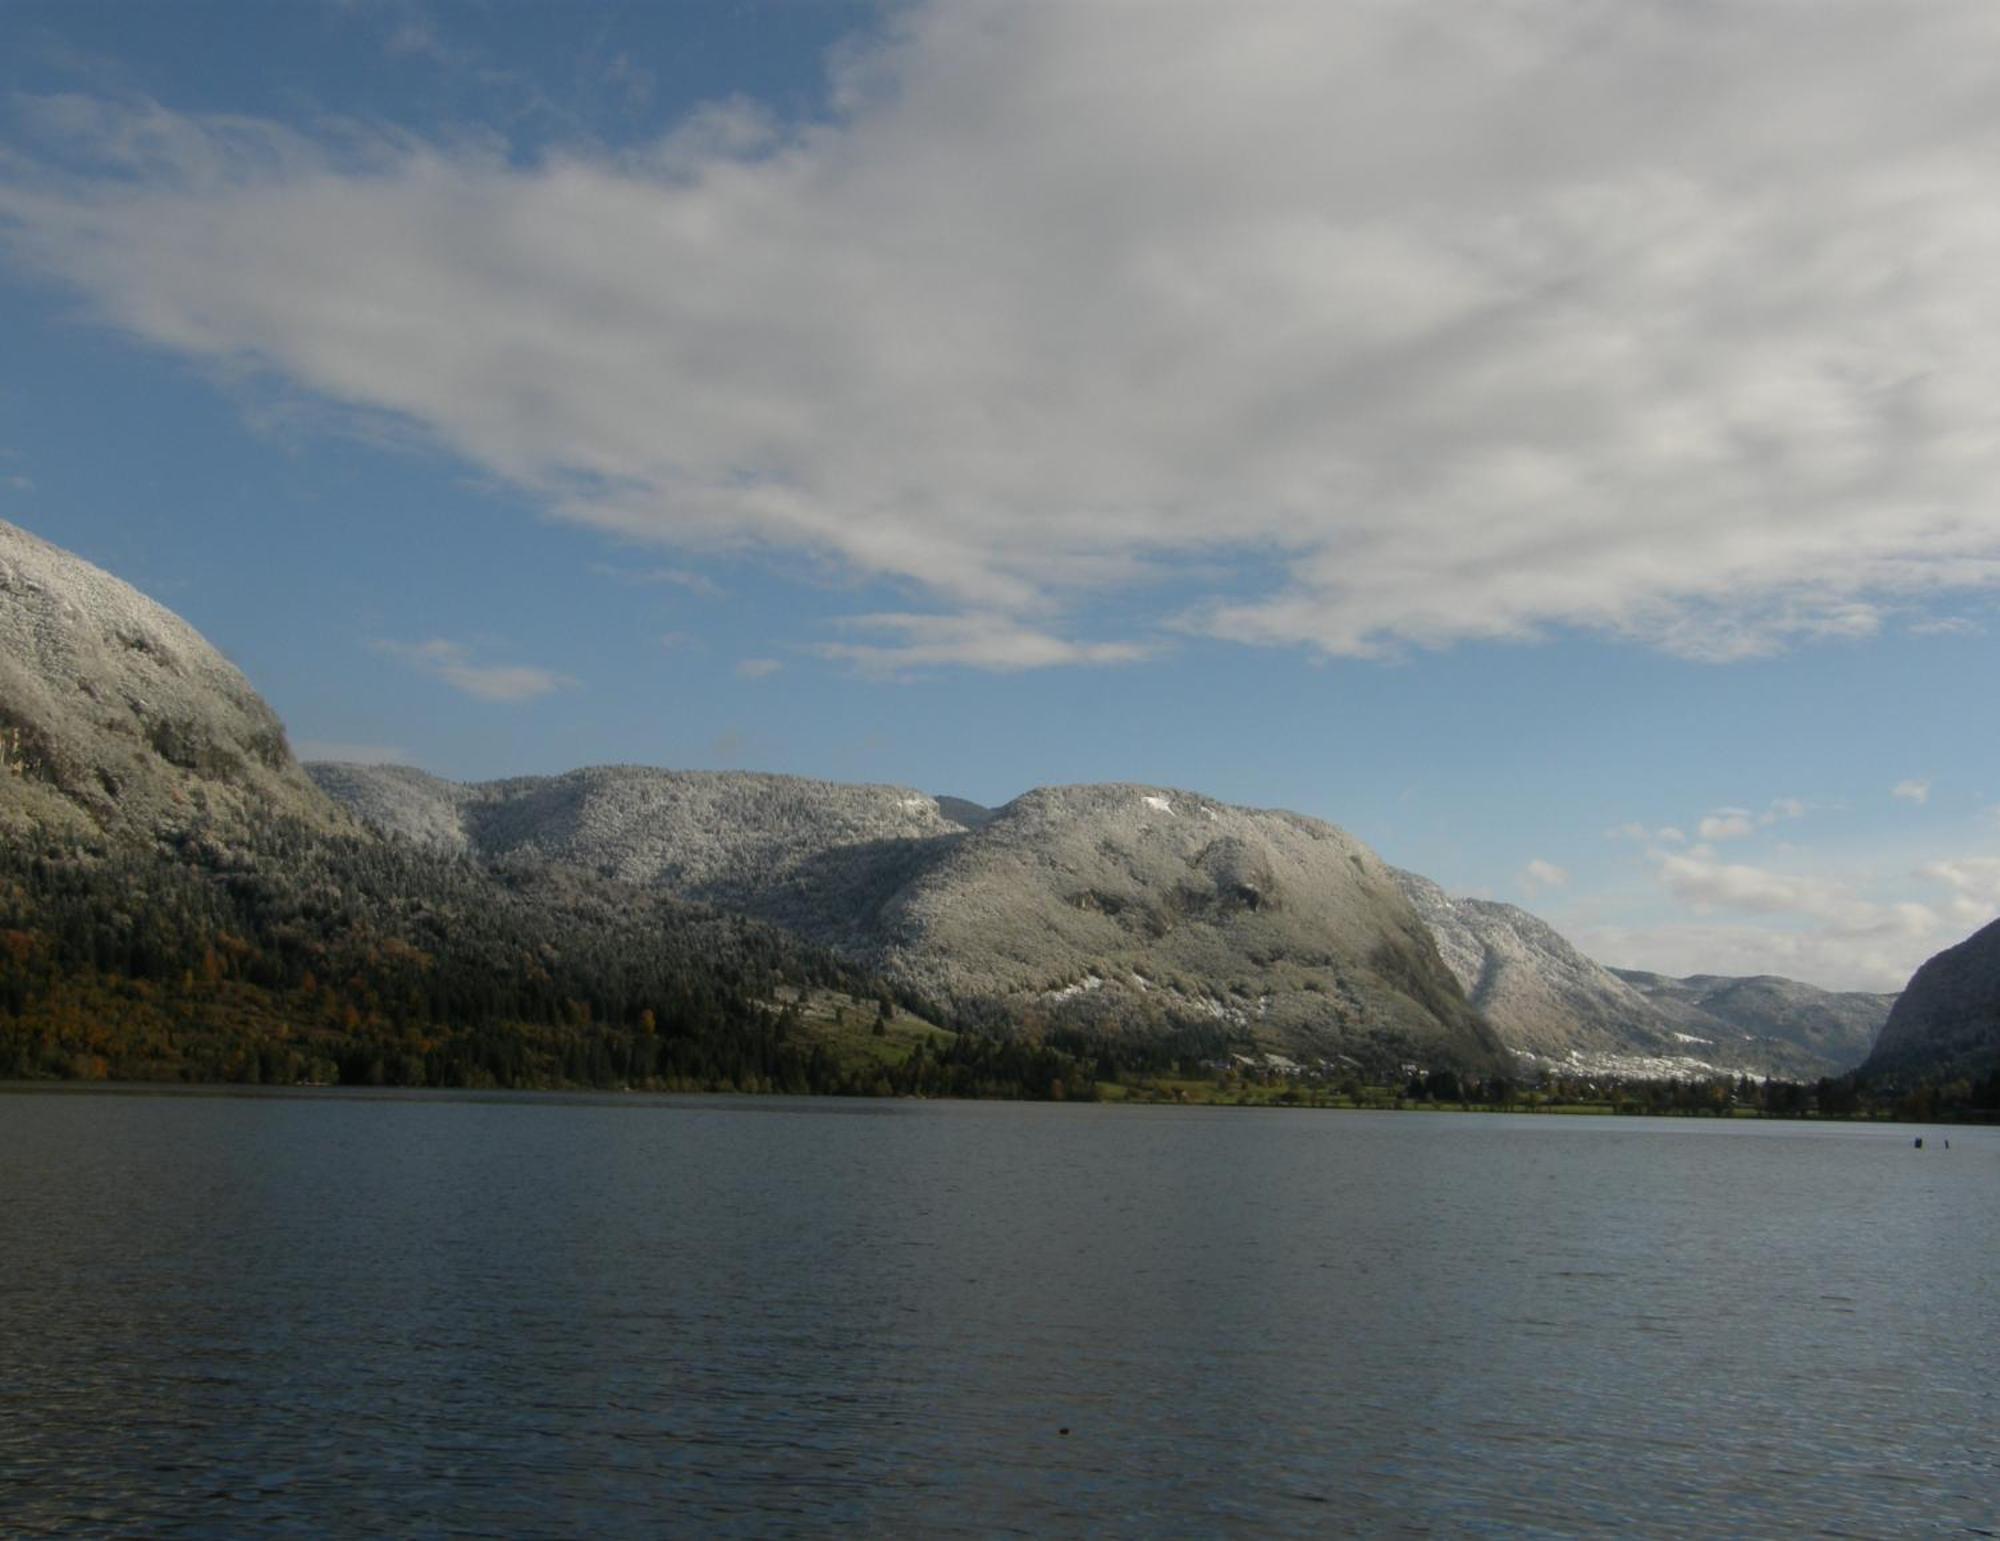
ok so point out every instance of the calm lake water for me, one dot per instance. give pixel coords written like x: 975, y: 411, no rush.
x: 635, y: 1316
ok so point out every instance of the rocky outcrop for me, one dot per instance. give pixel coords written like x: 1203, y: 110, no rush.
x: 119, y: 721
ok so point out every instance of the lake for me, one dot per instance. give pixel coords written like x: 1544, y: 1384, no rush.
x: 623, y: 1315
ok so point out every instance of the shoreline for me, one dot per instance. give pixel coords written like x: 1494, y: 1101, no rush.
x: 604, y: 1095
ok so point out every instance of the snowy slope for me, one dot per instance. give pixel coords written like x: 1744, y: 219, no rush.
x: 117, y: 719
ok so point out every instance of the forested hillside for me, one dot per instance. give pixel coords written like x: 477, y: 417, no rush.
x: 293, y: 957
x: 296, y: 956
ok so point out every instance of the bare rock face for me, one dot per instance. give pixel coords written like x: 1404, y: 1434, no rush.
x: 1549, y: 1002
x: 119, y: 721
x: 1947, y: 1020
x: 1130, y: 907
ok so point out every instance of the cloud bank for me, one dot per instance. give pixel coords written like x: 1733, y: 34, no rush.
x: 980, y: 641
x: 1390, y: 323
x: 1844, y: 916
x: 1835, y: 927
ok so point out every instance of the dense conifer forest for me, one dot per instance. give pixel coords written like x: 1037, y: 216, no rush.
x: 294, y: 957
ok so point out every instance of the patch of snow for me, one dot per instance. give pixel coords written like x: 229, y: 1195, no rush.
x: 1209, y: 1006
x: 919, y: 802
x: 1070, y: 992
x: 1281, y: 1063
x: 1690, y: 1038
x: 1636, y: 1067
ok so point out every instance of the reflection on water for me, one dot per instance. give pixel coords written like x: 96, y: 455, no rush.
x: 630, y: 1315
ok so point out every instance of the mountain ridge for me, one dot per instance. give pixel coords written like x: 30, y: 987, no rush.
x: 1120, y: 904
x: 881, y: 878
x: 1122, y: 907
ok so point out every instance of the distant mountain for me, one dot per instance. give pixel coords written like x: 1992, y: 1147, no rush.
x: 1542, y: 996
x: 1127, y: 907
x: 1947, y: 1020
x: 1546, y: 999
x: 1837, y: 1027
x: 959, y: 811
x: 119, y: 721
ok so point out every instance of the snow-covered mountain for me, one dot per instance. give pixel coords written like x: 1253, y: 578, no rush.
x: 1133, y: 907
x: 1127, y: 903
x: 118, y: 720
x: 1833, y: 1027
x: 1547, y: 1000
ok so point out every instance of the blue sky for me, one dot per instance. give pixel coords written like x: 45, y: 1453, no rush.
x: 1555, y: 443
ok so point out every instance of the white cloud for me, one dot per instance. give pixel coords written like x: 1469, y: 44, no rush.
x: 1539, y: 875
x: 1674, y: 323
x: 342, y: 753
x: 1727, y: 824
x: 674, y: 577
x: 1973, y: 884
x: 1666, y: 834
x: 1880, y: 957
x: 757, y: 668
x: 1946, y: 626
x: 1708, y: 884
x: 980, y: 641
x: 1859, y: 927
x: 1738, y: 823
x: 452, y: 662
x: 1911, y: 791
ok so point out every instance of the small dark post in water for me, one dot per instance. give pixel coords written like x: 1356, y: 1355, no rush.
x: 1920, y: 1142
